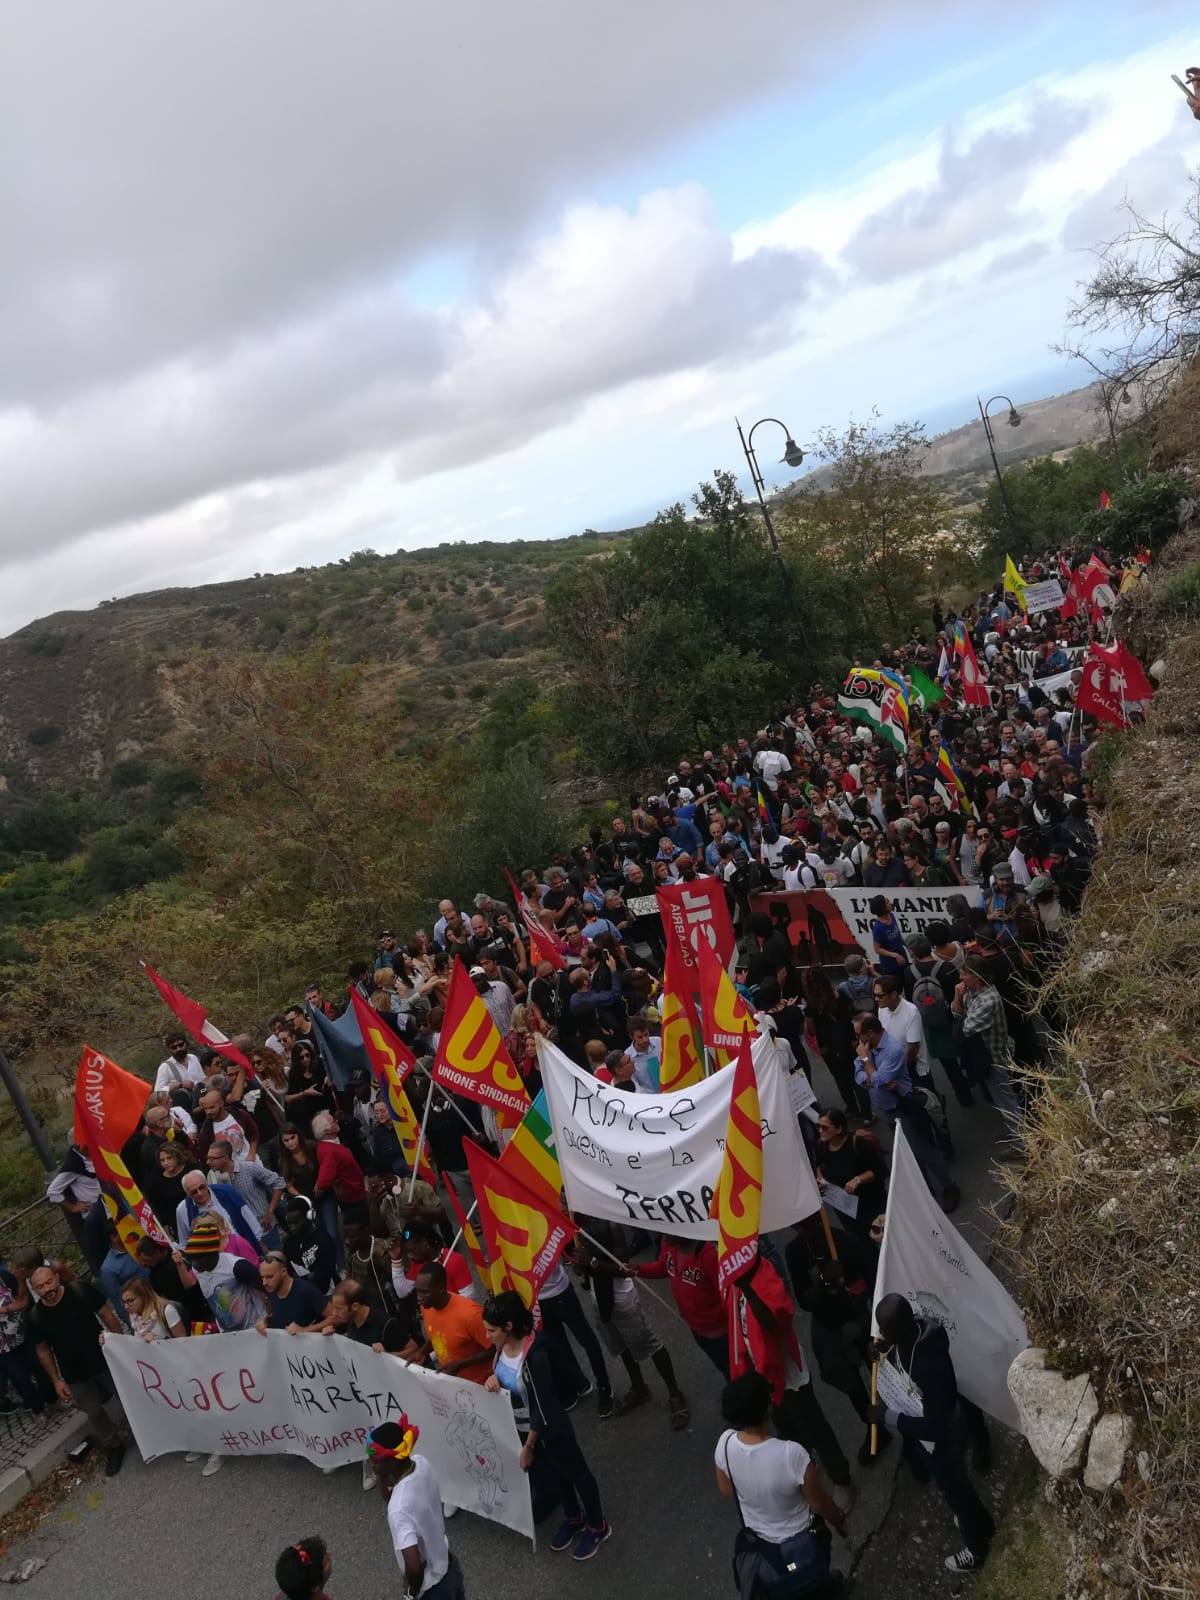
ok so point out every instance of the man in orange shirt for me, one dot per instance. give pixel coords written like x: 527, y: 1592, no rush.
x: 453, y: 1327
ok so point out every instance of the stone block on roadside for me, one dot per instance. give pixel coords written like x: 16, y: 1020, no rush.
x: 1107, y: 1449
x: 1056, y: 1413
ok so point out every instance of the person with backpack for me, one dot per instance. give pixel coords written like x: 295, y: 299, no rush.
x: 782, y: 1547
x: 933, y: 984
x: 857, y: 987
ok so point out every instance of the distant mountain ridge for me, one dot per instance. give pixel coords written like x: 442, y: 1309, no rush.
x: 441, y: 629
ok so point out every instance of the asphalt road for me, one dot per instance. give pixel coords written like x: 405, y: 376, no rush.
x: 163, y: 1530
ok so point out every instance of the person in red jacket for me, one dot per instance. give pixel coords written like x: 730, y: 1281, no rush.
x: 340, y: 1181
x: 764, y: 1340
x: 690, y: 1266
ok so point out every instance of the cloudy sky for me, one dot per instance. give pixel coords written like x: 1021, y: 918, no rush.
x: 285, y: 280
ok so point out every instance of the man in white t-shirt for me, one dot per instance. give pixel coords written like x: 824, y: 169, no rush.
x: 416, y: 1522
x: 902, y: 1021
x: 770, y: 764
x: 181, y: 1069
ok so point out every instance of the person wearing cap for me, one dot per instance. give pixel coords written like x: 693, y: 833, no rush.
x: 1000, y: 902
x: 415, y: 1519
x: 496, y: 996
x: 231, y: 1286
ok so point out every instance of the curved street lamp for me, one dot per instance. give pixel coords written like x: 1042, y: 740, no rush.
x: 1014, y: 421
x: 792, y: 456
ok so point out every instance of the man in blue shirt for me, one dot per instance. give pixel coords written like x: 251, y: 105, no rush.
x: 883, y: 1068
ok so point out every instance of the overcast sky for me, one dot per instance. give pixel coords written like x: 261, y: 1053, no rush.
x: 283, y: 280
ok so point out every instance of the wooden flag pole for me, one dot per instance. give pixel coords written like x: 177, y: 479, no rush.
x: 833, y: 1255
x: 605, y: 1251
x: 874, y: 1399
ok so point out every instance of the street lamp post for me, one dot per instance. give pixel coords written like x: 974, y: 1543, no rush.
x: 792, y: 457
x: 1014, y: 421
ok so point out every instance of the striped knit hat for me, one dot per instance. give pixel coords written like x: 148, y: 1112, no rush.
x: 205, y: 1237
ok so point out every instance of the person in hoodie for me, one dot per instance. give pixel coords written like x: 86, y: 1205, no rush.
x: 920, y: 1350
x: 550, y: 1453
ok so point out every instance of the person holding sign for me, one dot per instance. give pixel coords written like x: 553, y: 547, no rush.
x: 919, y: 1398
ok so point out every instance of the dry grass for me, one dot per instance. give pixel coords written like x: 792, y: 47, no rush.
x: 1106, y: 1233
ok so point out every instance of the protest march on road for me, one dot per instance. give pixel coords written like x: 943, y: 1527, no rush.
x: 707, y: 1057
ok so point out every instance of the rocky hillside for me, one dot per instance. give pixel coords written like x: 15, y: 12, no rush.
x: 442, y: 629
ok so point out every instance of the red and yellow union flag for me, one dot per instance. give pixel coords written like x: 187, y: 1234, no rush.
x: 109, y: 1106
x: 471, y: 1058
x: 737, y: 1204
x: 525, y: 1236
x: 725, y: 1015
x: 680, y: 1064
x: 392, y: 1061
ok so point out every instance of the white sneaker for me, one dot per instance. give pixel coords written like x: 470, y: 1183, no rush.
x: 328, y: 1470
x: 962, y: 1561
x: 369, y: 1479
x: 194, y: 1455
x: 213, y: 1464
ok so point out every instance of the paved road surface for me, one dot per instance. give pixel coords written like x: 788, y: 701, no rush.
x: 163, y: 1531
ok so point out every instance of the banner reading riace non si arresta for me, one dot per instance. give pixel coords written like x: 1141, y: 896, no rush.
x: 243, y: 1394
x: 654, y: 1160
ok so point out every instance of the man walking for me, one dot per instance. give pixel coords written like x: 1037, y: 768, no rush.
x: 67, y: 1337
x: 414, y: 1512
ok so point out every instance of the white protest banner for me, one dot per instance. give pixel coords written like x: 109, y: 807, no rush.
x: 240, y: 1394
x: 654, y: 1159
x: 824, y: 926
x: 926, y: 1259
x: 1046, y: 596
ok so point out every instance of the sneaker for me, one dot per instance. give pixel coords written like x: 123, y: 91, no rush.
x: 566, y: 1535
x: 113, y: 1460
x: 590, y: 1542
x: 630, y: 1402
x: 604, y: 1403
x: 213, y: 1464
x: 448, y: 1511
x: 194, y: 1455
x: 582, y: 1394
x: 369, y: 1480
x: 963, y: 1560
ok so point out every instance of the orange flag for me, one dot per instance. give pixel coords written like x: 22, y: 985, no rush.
x: 737, y: 1204
x: 469, y: 1237
x: 471, y: 1058
x: 525, y: 1236
x: 392, y: 1061
x: 680, y: 1064
x: 725, y: 1015
x: 109, y: 1106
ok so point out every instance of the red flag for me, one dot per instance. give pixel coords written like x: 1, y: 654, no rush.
x: 692, y: 912
x: 1112, y: 681
x: 195, y: 1019
x: 737, y: 1204
x: 109, y: 1106
x: 469, y: 1236
x: 392, y: 1061
x: 679, y: 1063
x: 973, y: 687
x: 524, y: 1235
x: 471, y: 1058
x: 725, y: 1016
x: 1105, y: 500
x: 543, y: 946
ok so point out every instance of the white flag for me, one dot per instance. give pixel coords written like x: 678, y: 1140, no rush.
x: 927, y: 1260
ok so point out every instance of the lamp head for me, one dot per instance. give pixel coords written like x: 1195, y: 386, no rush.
x: 1014, y: 417
x: 792, y: 453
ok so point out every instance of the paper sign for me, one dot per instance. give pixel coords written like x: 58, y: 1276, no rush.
x: 1047, y: 596
x: 899, y: 1393
x: 839, y: 1199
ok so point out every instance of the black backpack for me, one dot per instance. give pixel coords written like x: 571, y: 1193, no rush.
x: 930, y: 998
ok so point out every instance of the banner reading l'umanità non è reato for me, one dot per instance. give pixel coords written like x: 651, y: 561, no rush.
x: 827, y: 925
x: 243, y: 1394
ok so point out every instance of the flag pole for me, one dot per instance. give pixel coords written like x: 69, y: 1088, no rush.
x: 605, y: 1251
x: 461, y: 1231
x: 436, y: 1088
x: 833, y: 1255
x: 874, y: 1399
x: 412, y: 1182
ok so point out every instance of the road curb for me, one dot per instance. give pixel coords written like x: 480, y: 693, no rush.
x: 39, y: 1462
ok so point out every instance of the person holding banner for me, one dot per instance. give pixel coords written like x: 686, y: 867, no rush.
x: 523, y: 1366
x: 926, y: 1395
x: 883, y: 1068
x: 67, y: 1326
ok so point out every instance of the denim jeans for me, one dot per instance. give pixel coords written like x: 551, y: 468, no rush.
x: 450, y: 1585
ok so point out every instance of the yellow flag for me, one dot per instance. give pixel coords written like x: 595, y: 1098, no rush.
x: 1014, y: 583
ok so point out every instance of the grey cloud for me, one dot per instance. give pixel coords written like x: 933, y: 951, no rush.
x: 974, y: 198
x: 176, y: 178
x: 1154, y: 180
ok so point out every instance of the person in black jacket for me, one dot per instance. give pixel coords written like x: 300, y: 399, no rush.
x: 549, y: 1449
x: 920, y: 1350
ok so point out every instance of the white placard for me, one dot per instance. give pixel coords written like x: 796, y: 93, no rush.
x: 898, y: 1392
x: 839, y: 1199
x: 1045, y: 596
x: 243, y: 1394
